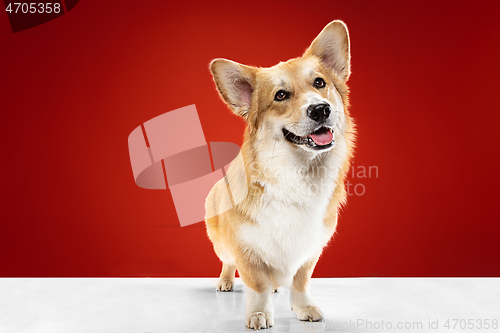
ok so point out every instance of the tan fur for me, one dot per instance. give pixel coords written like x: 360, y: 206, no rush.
x: 301, y: 278
x: 249, y: 92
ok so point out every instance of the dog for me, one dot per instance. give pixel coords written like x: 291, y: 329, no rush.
x: 293, y: 163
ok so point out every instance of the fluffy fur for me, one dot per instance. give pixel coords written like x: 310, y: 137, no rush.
x: 275, y: 234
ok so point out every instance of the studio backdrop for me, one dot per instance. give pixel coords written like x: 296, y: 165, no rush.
x: 423, y: 187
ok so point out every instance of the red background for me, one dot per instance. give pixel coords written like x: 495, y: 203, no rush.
x: 424, y: 96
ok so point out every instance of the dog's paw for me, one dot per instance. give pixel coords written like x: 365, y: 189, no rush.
x: 308, y: 313
x: 225, y: 285
x: 258, y: 320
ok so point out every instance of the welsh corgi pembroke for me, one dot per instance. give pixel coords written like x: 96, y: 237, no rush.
x: 294, y: 159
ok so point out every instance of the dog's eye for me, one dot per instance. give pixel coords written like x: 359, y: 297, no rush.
x: 281, y: 95
x: 319, y: 83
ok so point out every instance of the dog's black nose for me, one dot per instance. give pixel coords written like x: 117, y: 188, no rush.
x: 318, y: 112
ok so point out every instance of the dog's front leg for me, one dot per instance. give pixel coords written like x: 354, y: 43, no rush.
x: 255, y: 274
x: 302, y: 303
x: 259, y: 312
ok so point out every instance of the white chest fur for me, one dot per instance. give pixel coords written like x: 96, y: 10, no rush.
x: 289, y: 228
x: 286, y: 236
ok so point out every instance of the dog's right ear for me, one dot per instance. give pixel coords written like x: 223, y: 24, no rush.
x: 235, y: 83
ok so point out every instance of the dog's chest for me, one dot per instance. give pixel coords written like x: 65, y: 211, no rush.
x: 290, y: 228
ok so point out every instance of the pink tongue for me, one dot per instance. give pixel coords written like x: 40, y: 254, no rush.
x: 322, y: 137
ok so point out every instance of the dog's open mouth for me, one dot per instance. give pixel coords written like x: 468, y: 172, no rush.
x: 321, y: 138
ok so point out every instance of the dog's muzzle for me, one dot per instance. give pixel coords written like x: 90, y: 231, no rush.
x: 322, y: 136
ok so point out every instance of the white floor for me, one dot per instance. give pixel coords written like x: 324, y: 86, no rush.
x: 192, y: 305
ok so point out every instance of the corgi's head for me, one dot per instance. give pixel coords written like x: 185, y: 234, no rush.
x: 302, y: 101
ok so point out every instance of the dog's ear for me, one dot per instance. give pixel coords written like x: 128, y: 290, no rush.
x: 235, y: 83
x: 332, y: 47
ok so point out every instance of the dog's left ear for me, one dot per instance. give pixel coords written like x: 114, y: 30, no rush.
x: 332, y: 47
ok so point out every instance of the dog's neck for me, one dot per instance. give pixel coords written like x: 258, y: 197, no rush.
x: 278, y: 163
